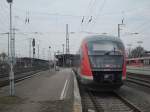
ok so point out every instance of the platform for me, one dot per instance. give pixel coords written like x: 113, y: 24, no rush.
x: 139, y: 70
x: 45, y: 92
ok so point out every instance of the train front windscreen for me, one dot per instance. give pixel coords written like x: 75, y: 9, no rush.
x: 106, y: 54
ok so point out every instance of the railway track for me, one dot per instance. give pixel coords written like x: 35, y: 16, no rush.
x: 142, y: 80
x: 4, y: 81
x: 106, y: 102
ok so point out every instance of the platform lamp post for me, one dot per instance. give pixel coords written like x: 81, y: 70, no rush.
x: 11, y: 74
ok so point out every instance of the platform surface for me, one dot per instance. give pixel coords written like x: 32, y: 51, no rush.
x: 45, y: 92
x: 139, y: 70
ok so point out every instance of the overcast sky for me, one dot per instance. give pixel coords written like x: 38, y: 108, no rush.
x: 49, y: 17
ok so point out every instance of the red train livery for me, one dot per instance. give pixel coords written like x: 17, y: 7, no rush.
x: 101, y: 62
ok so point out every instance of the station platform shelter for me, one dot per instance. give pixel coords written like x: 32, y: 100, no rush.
x: 65, y: 60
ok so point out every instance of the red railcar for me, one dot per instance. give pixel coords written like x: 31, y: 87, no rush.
x: 101, y: 62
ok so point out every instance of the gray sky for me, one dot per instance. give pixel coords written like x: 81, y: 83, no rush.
x: 49, y: 17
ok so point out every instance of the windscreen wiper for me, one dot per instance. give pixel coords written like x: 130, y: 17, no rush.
x: 108, y: 52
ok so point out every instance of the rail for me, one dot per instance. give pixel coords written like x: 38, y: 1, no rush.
x: 143, y: 80
x: 18, y: 77
x: 93, y: 101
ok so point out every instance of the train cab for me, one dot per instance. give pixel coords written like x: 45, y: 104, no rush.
x: 102, y: 62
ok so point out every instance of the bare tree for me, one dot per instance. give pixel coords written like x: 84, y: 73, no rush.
x: 3, y: 56
x: 137, y: 52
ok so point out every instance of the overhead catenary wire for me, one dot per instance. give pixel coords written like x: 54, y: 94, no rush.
x: 87, y: 18
x: 69, y: 15
x: 80, y: 16
x: 3, y: 18
x: 140, y: 28
x: 94, y: 19
x: 98, y: 14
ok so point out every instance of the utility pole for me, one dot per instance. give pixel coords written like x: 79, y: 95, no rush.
x: 55, y: 61
x: 43, y: 52
x: 67, y: 46
x: 13, y: 35
x: 38, y: 50
x: 13, y: 45
x: 30, y: 46
x: 38, y: 45
x: 120, y: 28
x: 49, y: 57
x: 63, y: 55
x: 8, y: 45
x: 129, y: 50
x: 67, y: 40
x: 11, y: 74
x: 30, y: 49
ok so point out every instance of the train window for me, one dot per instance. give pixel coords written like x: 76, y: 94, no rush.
x: 103, y: 46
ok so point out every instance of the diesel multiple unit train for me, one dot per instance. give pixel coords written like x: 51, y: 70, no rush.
x: 101, y: 62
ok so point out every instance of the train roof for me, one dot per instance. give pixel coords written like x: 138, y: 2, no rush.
x: 102, y: 37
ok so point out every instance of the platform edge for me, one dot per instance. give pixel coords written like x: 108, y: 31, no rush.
x: 77, y: 105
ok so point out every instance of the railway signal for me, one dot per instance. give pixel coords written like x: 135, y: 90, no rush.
x: 33, y: 45
x: 33, y: 42
x: 34, y: 51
